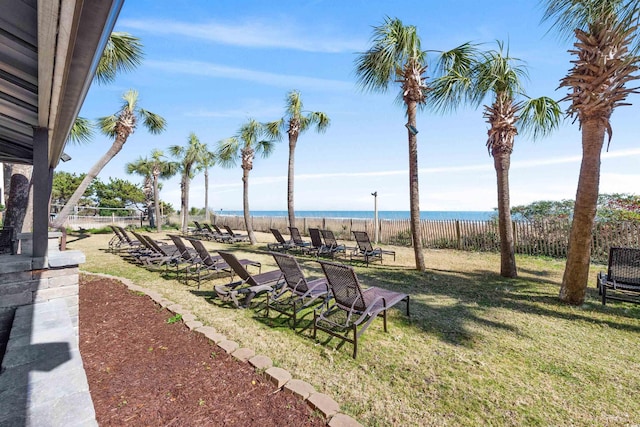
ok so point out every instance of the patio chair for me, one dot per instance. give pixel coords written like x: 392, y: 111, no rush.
x: 332, y: 246
x: 188, y: 256
x: 7, y: 241
x: 365, y: 249
x: 623, y: 276
x: 212, y: 234
x: 157, y: 254
x: 353, y: 308
x: 317, y: 245
x: 297, y: 239
x: 213, y: 264
x: 120, y: 241
x: 281, y: 244
x: 235, y: 237
x: 298, y: 292
x: 249, y: 285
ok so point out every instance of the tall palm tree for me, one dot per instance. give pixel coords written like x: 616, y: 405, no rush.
x: 152, y: 169
x: 295, y: 122
x: 244, y: 146
x: 118, y: 126
x: 189, y: 157
x: 208, y: 161
x: 142, y: 167
x: 606, y: 61
x: 498, y: 75
x: 160, y: 169
x: 396, y: 56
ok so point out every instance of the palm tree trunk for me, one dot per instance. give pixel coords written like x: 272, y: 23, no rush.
x: 501, y: 162
x: 206, y: 195
x: 414, y: 189
x: 245, y: 206
x: 184, y: 202
x: 293, y: 139
x: 18, y: 200
x: 93, y: 172
x: 156, y: 202
x: 576, y: 273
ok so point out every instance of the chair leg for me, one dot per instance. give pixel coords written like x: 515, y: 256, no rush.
x: 355, y: 341
x: 384, y: 319
x: 315, y: 319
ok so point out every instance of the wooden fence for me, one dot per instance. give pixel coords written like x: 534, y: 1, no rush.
x: 544, y: 238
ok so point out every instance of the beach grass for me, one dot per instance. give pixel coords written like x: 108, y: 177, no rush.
x: 478, y: 349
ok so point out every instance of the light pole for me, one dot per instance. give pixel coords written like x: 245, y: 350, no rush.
x: 375, y: 216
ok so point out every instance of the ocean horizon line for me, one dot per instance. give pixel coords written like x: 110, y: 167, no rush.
x: 365, y: 214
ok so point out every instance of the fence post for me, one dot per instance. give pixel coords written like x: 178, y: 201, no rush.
x: 458, y: 235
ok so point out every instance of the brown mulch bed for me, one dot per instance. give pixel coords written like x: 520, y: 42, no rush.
x: 145, y: 371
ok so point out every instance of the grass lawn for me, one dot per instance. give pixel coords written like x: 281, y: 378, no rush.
x: 478, y: 349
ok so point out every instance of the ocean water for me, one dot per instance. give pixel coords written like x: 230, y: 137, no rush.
x: 431, y: 215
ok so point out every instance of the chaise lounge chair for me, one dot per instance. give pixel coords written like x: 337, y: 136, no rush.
x: 353, y: 308
x: 622, y: 280
x: 332, y: 247
x: 366, y: 250
x: 297, y: 239
x: 249, y: 285
x: 281, y: 244
x: 298, y: 292
x: 213, y: 264
x: 235, y: 237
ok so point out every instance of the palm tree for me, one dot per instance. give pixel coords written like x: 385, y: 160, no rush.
x: 295, y: 122
x: 244, y: 146
x: 606, y: 60
x: 118, y: 126
x: 189, y: 157
x: 153, y: 169
x: 500, y: 76
x: 396, y: 56
x: 208, y: 160
x: 142, y: 167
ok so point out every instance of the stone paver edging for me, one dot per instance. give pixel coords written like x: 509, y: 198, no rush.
x: 281, y: 378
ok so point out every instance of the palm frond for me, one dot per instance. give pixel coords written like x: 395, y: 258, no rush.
x: 265, y: 148
x: 228, y: 151
x: 319, y: 119
x: 123, y: 52
x: 393, y: 44
x: 154, y: 123
x: 566, y: 16
x: 275, y: 129
x: 141, y: 166
x: 81, y: 131
x: 294, y: 104
x: 107, y: 125
x: 454, y: 84
x: 539, y: 117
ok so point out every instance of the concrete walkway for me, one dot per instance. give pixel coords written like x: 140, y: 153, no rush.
x: 42, y: 381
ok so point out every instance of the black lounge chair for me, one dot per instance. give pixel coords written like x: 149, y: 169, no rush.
x: 623, y: 276
x: 353, y: 308
x: 332, y: 247
x: 281, y: 244
x: 297, y: 239
x: 213, y: 264
x: 156, y: 254
x: 121, y: 240
x: 249, y: 285
x: 188, y: 256
x: 298, y: 292
x: 365, y: 249
x: 235, y: 237
x: 317, y: 246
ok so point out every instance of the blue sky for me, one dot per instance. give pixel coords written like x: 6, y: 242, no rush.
x: 211, y: 65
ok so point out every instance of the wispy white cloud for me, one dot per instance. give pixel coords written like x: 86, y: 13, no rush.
x: 272, y: 79
x: 249, y: 111
x: 252, y: 33
x: 450, y: 169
